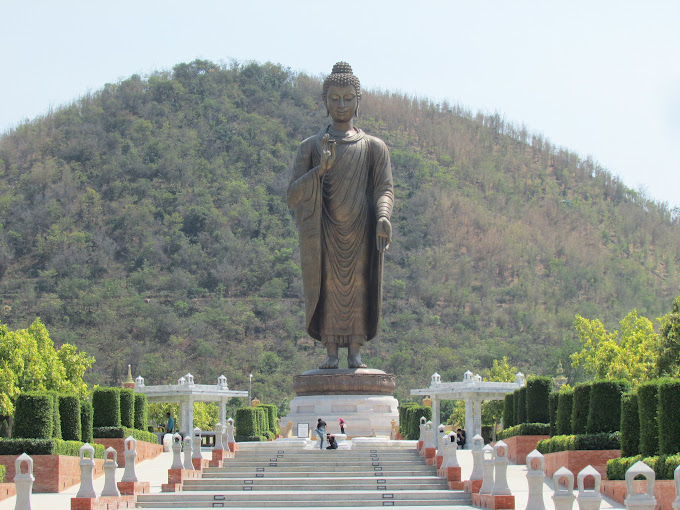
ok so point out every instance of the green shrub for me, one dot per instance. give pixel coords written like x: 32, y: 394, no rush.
x: 127, y: 407
x: 141, y: 412
x: 522, y: 405
x: 56, y: 416
x: 580, y: 408
x: 34, y: 416
x: 3, y: 470
x: 508, y: 411
x: 562, y: 443
x: 552, y: 405
x: 565, y: 401
x: 124, y: 432
x: 525, y: 429
x: 86, y: 414
x: 648, y: 403
x: 4, y: 427
x: 669, y: 425
x: 106, y: 407
x: 663, y: 465
x: 69, y: 412
x: 46, y: 447
x: 413, y: 415
x: 515, y: 408
x: 402, y: 417
x: 272, y: 417
x: 537, y: 399
x: 604, y: 414
x: 630, y: 425
x: 246, y: 422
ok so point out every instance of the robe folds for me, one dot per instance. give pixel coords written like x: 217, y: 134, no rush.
x: 336, y: 216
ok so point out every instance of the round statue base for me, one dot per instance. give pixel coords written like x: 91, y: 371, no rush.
x: 360, y: 396
x: 366, y: 415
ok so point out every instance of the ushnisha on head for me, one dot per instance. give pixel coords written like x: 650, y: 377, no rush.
x: 342, y: 76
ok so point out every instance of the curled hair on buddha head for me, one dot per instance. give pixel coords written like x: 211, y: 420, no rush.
x: 342, y: 75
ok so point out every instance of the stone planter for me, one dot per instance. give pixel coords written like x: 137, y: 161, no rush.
x: 53, y: 473
x: 576, y: 460
x: 144, y: 450
x: 664, y: 491
x: 521, y: 446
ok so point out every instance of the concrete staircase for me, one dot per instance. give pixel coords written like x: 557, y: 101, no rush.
x: 273, y: 475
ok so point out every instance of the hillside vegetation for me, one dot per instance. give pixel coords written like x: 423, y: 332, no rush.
x: 146, y: 224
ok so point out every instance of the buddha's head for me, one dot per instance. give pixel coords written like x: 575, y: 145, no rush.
x: 342, y: 93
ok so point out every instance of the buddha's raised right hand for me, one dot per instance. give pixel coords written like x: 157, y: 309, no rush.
x: 327, y: 154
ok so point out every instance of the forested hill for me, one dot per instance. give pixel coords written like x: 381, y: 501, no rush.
x: 146, y: 223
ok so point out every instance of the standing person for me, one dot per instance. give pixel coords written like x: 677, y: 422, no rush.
x: 342, y: 425
x: 170, y: 426
x: 321, y: 432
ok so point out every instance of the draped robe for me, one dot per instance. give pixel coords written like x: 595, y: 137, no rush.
x: 336, y: 216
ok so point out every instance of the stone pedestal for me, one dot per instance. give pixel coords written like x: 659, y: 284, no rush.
x: 362, y: 396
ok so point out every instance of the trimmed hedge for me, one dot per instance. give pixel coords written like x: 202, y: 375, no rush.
x: 413, y: 415
x: 141, y: 412
x: 86, y: 414
x: 648, y: 403
x: 669, y: 425
x: 56, y: 416
x: 46, y: 447
x: 604, y: 414
x: 552, y: 406
x: 630, y: 425
x: 3, y: 470
x: 127, y: 407
x: 580, y: 408
x: 610, y: 441
x: 124, y: 432
x: 34, y: 416
x: 272, y: 416
x: 564, y: 407
x: 248, y: 423
x: 69, y: 412
x: 521, y: 406
x: 508, y: 411
x: 525, y: 429
x: 663, y: 466
x: 402, y: 417
x: 106, y: 407
x: 537, y: 400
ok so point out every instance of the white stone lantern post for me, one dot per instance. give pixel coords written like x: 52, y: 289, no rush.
x: 642, y: 500
x: 110, y: 465
x: 477, y: 458
x: 589, y: 500
x: 487, y: 470
x: 535, y: 475
x: 676, y: 478
x: 176, y: 452
x: 187, y: 453
x: 563, y: 497
x: 196, y: 436
x: 23, y: 482
x: 130, y: 475
x: 500, y: 465
x: 86, y: 468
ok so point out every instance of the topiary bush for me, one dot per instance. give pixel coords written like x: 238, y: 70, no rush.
x: 508, y: 411
x: 525, y: 429
x: 630, y: 425
x: 106, y: 407
x: 580, y: 408
x: 648, y: 403
x: 127, y: 407
x: 247, y: 424
x: 3, y: 470
x: 56, y: 424
x: 669, y: 425
x: 141, y: 412
x: 402, y: 417
x: 46, y: 447
x: 565, y: 400
x: 414, y: 415
x: 69, y: 412
x: 34, y: 416
x: 562, y: 443
x: 537, y: 400
x: 552, y: 406
x: 604, y: 414
x: 272, y: 416
x: 86, y: 414
x: 124, y: 433
x: 521, y: 406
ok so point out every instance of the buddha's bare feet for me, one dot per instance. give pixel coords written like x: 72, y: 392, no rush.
x: 331, y: 362
x: 354, y: 356
x: 354, y: 361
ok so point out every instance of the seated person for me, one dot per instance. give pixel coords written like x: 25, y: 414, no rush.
x: 332, y: 443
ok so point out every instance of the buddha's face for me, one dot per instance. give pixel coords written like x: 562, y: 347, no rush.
x: 342, y: 102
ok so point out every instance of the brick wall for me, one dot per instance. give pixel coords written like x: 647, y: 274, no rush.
x: 664, y: 491
x: 53, y: 473
x: 576, y: 460
x: 7, y: 490
x: 521, y: 446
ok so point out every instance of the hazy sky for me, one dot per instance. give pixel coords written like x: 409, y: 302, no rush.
x: 601, y: 78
